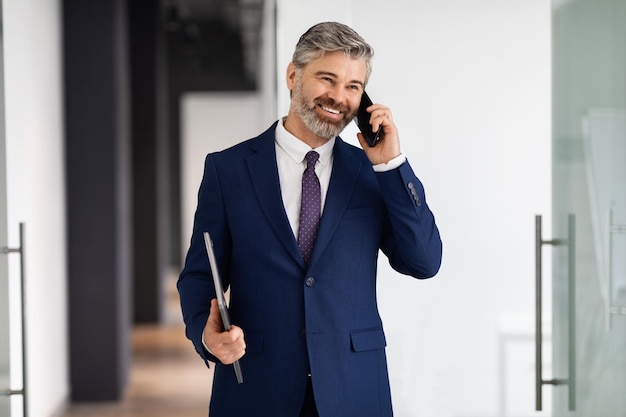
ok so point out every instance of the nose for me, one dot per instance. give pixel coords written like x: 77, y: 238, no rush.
x: 337, y: 93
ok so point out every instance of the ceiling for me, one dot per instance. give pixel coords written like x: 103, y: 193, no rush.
x: 243, y: 16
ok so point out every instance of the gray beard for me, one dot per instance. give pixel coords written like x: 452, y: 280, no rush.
x: 320, y: 127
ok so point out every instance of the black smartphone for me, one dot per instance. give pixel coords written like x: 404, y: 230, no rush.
x: 363, y: 121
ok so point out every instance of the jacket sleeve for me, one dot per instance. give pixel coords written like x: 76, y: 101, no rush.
x: 411, y: 238
x: 195, y: 284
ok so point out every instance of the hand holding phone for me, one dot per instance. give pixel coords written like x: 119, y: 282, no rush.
x: 363, y: 121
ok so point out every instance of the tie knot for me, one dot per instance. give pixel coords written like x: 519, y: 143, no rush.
x: 311, y: 158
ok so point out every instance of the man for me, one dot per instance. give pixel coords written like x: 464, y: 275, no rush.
x: 303, y: 291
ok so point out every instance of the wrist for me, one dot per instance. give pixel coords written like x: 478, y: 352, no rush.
x: 205, y: 346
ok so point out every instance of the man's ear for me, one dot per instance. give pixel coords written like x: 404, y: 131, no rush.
x: 291, y: 76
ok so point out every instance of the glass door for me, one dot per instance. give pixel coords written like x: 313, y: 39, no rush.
x: 589, y: 209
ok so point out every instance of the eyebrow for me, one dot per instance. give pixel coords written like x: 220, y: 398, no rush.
x: 332, y: 74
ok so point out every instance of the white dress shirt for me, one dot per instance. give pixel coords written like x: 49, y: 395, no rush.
x: 290, y: 153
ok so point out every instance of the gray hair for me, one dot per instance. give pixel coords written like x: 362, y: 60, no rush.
x: 331, y: 37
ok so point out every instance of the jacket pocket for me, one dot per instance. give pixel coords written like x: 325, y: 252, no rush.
x: 368, y: 339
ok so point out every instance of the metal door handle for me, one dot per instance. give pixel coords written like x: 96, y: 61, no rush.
x: 22, y: 392
x: 609, y: 308
x: 571, y: 380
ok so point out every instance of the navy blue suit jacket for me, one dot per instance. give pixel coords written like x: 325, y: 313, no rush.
x: 322, y: 318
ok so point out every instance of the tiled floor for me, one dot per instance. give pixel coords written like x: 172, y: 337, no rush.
x: 167, y: 379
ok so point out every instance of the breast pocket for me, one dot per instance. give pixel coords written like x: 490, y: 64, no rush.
x: 360, y: 212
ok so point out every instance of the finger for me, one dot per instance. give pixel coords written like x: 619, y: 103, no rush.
x: 232, y: 357
x: 380, y: 118
x: 379, y: 108
x: 377, y: 122
x: 233, y: 346
x: 236, y: 349
x: 236, y: 335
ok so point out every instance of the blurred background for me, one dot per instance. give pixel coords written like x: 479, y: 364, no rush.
x: 511, y: 112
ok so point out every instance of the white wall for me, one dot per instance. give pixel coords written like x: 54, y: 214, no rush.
x: 469, y: 85
x: 36, y: 194
x: 5, y: 360
x: 211, y: 122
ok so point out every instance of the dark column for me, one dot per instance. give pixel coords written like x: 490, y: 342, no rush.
x: 146, y: 58
x: 98, y: 197
x: 204, y: 53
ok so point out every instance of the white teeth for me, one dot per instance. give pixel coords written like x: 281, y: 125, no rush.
x: 333, y: 111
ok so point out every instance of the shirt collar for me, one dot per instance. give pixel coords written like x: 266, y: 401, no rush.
x: 297, y: 150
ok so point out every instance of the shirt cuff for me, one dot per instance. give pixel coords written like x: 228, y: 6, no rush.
x: 393, y: 164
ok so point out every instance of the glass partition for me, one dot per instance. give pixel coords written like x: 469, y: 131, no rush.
x: 589, y: 207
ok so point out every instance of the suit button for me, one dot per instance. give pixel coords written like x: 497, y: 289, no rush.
x: 310, y: 281
x: 416, y: 196
x: 303, y: 333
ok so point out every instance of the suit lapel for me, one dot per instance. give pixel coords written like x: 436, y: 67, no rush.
x: 264, y: 176
x: 346, y: 169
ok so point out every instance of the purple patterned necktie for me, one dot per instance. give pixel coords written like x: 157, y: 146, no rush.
x: 310, y: 208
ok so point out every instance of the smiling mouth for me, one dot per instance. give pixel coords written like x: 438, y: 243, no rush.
x: 330, y: 110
